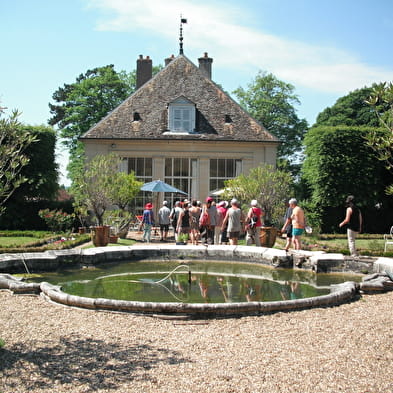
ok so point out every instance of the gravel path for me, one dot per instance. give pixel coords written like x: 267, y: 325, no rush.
x: 51, y: 348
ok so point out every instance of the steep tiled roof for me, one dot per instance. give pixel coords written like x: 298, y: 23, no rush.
x: 218, y: 117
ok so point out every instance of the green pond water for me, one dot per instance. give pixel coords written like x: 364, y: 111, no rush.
x: 192, y: 282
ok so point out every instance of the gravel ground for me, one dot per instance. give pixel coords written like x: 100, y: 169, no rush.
x: 51, y: 348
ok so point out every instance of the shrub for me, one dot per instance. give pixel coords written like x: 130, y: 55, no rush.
x: 57, y: 220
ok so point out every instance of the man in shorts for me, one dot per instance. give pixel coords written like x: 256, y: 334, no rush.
x: 163, y: 219
x: 298, y: 223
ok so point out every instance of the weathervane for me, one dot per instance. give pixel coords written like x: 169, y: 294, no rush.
x: 182, y: 20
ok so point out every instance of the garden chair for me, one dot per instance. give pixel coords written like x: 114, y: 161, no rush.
x: 388, y: 238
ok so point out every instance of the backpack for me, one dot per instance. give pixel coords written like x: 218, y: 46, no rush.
x: 174, y: 218
x: 205, y: 219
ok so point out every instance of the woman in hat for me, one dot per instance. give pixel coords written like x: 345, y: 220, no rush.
x: 148, y: 222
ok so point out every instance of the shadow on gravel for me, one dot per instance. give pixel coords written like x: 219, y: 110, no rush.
x: 91, y: 363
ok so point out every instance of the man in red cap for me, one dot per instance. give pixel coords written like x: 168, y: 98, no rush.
x: 148, y: 222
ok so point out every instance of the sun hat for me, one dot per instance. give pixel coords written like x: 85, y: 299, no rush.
x: 223, y: 203
x: 254, y: 202
x: 148, y: 206
x: 209, y: 199
x: 165, y: 203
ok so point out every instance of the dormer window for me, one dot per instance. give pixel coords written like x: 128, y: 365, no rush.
x: 181, y: 116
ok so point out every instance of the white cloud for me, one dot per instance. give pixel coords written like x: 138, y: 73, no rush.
x: 219, y: 27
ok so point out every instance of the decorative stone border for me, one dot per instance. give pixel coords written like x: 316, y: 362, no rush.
x: 51, y: 260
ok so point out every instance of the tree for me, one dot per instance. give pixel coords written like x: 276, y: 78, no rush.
x: 80, y: 105
x: 381, y: 103
x: 271, y: 102
x: 14, y: 140
x: 100, y: 185
x: 270, y: 187
x: 350, y: 110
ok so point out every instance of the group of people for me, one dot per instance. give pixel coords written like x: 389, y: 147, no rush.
x: 221, y: 223
x: 208, y: 223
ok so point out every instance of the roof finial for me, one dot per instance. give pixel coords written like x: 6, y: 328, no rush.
x: 182, y: 20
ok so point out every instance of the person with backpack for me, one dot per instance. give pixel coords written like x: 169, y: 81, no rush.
x: 174, y: 217
x: 253, y: 224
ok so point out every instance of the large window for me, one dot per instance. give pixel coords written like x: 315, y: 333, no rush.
x: 222, y: 169
x: 143, y: 169
x: 181, y: 116
x: 181, y: 173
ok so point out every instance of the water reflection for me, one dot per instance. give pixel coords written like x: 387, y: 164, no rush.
x: 196, y: 282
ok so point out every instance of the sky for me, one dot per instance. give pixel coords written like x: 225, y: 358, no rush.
x: 324, y: 48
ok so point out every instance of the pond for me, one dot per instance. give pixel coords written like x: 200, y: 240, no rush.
x: 193, y: 282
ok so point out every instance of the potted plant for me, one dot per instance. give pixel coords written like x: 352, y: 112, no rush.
x: 270, y: 187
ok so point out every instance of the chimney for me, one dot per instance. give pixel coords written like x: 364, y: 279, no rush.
x: 205, y: 65
x: 144, y: 70
x: 169, y: 59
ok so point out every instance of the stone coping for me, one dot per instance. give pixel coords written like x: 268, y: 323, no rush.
x: 51, y: 260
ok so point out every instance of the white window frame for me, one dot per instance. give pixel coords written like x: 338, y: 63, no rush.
x: 181, y: 116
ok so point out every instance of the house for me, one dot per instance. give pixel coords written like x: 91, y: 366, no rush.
x: 182, y: 128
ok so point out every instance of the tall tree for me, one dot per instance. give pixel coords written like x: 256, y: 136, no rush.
x: 351, y: 110
x: 14, y: 140
x: 80, y: 105
x: 271, y: 102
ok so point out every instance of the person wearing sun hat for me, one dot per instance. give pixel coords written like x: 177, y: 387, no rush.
x: 148, y: 222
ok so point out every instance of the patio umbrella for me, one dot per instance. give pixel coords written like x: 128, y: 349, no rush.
x: 160, y: 186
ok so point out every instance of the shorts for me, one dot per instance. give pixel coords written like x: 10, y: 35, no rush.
x: 297, y: 231
x: 234, y: 235
x: 164, y: 227
x: 288, y: 231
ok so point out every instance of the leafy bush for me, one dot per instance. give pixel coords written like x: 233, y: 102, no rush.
x: 57, y: 220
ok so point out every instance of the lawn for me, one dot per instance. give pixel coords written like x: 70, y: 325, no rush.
x: 366, y: 244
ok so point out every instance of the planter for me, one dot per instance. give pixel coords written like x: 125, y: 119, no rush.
x: 268, y: 236
x: 113, y: 239
x: 100, y: 235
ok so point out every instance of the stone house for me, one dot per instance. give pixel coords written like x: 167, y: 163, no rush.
x: 182, y: 128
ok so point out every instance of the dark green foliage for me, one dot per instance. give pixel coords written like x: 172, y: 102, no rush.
x: 25, y: 215
x: 339, y: 163
x: 271, y: 102
x: 350, y: 110
x: 41, y: 171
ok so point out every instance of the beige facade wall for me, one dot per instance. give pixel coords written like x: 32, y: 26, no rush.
x: 252, y: 154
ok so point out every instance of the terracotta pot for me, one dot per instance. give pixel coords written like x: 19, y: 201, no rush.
x: 268, y: 236
x: 113, y: 238
x: 100, y: 235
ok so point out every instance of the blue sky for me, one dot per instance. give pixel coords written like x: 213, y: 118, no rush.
x: 325, y: 48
